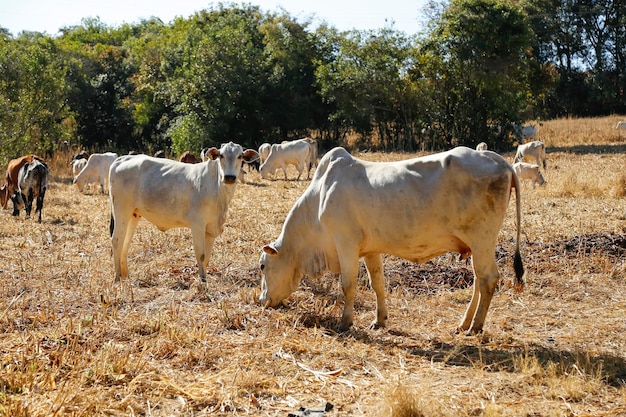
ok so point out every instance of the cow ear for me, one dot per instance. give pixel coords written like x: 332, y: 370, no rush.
x: 250, y: 155
x: 270, y: 250
x: 214, y: 153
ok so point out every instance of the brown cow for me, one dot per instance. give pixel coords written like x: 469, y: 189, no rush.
x: 189, y: 158
x: 13, y: 170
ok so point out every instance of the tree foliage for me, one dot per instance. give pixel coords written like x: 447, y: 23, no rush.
x: 234, y: 72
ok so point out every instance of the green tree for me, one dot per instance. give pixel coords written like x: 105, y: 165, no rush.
x: 32, y: 95
x: 476, y: 59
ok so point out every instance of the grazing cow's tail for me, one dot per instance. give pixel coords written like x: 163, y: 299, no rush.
x: 111, y: 225
x: 517, y: 260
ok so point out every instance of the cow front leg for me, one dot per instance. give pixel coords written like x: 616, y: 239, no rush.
x: 123, y: 229
x: 374, y: 265
x: 349, y: 272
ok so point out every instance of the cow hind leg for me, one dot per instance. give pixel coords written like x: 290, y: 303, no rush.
x: 29, y: 202
x: 40, y: 202
x: 374, y: 264
x: 486, y: 278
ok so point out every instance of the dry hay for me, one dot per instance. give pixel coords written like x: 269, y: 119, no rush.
x: 75, y: 344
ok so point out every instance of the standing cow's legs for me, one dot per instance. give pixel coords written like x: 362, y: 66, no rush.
x: 374, y: 264
x: 486, y: 278
x: 202, y: 247
x: 123, y: 229
x: 29, y: 202
x: 349, y: 263
x: 40, y: 202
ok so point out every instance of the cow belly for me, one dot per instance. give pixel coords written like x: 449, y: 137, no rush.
x: 419, y: 249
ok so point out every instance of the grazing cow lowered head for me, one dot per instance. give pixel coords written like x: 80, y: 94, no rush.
x: 96, y: 170
x: 531, y: 172
x: 32, y: 183
x: 415, y: 209
x: 171, y: 194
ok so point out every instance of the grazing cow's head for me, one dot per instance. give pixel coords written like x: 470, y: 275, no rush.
x: 231, y: 155
x: 279, y: 277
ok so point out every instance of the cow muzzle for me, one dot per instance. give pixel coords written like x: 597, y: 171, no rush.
x: 230, y: 179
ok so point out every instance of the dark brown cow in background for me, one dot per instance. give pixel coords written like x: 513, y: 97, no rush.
x: 188, y: 158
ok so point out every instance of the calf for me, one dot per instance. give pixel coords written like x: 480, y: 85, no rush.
x: 77, y: 166
x: 171, y: 194
x: 532, y: 150
x: 526, y: 171
x: 32, y: 183
x: 96, y: 170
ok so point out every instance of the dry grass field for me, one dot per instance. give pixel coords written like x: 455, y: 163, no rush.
x: 73, y: 343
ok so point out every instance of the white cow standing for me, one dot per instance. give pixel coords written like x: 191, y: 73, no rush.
x: 96, y: 170
x: 173, y: 194
x: 297, y: 152
x: 77, y: 166
x: 524, y: 132
x: 532, y: 150
x: 264, y: 151
x: 416, y: 209
x: 526, y: 171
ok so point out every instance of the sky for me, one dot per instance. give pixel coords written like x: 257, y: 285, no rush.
x: 48, y: 16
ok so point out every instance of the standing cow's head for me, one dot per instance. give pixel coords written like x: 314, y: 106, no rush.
x: 231, y: 156
x: 279, y: 276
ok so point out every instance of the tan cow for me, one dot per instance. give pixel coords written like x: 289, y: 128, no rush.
x: 526, y: 171
x: 415, y: 209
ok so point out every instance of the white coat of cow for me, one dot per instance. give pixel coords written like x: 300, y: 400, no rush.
x: 264, y: 151
x: 416, y: 209
x: 96, y: 170
x: 524, y: 132
x: 77, y: 166
x: 532, y: 150
x: 296, y: 152
x: 526, y: 171
x: 482, y: 146
x: 173, y: 194
x: 621, y: 125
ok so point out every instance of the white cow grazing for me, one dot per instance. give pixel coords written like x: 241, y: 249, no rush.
x: 532, y: 150
x: 297, y: 152
x: 621, y: 125
x: 96, y: 170
x: 264, y: 151
x: 173, y: 194
x: 482, y: 146
x: 526, y: 171
x: 416, y: 209
x: 77, y: 166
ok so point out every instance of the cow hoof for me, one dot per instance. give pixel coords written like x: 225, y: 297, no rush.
x: 376, y: 325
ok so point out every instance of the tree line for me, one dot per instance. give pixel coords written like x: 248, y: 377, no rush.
x: 235, y: 72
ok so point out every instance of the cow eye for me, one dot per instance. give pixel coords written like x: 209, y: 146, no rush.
x: 262, y: 267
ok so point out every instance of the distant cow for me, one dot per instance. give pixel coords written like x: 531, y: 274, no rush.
x: 96, y: 170
x: 264, y: 151
x: 526, y: 171
x: 524, y: 132
x: 415, y: 209
x: 32, y: 184
x: 532, y: 150
x: 297, y: 152
x: 77, y: 166
x: 482, y: 146
x: 13, y: 169
x: 170, y: 194
x: 621, y: 125
x: 159, y: 154
x: 189, y: 158
x: 80, y: 155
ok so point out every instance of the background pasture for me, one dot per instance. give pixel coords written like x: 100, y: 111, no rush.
x: 73, y: 343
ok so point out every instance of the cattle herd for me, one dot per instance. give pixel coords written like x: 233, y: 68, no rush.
x: 453, y: 201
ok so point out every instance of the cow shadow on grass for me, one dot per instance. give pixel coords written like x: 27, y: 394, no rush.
x: 611, y: 368
x: 589, y: 149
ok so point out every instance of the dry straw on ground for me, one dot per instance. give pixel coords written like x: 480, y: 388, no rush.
x: 73, y: 343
